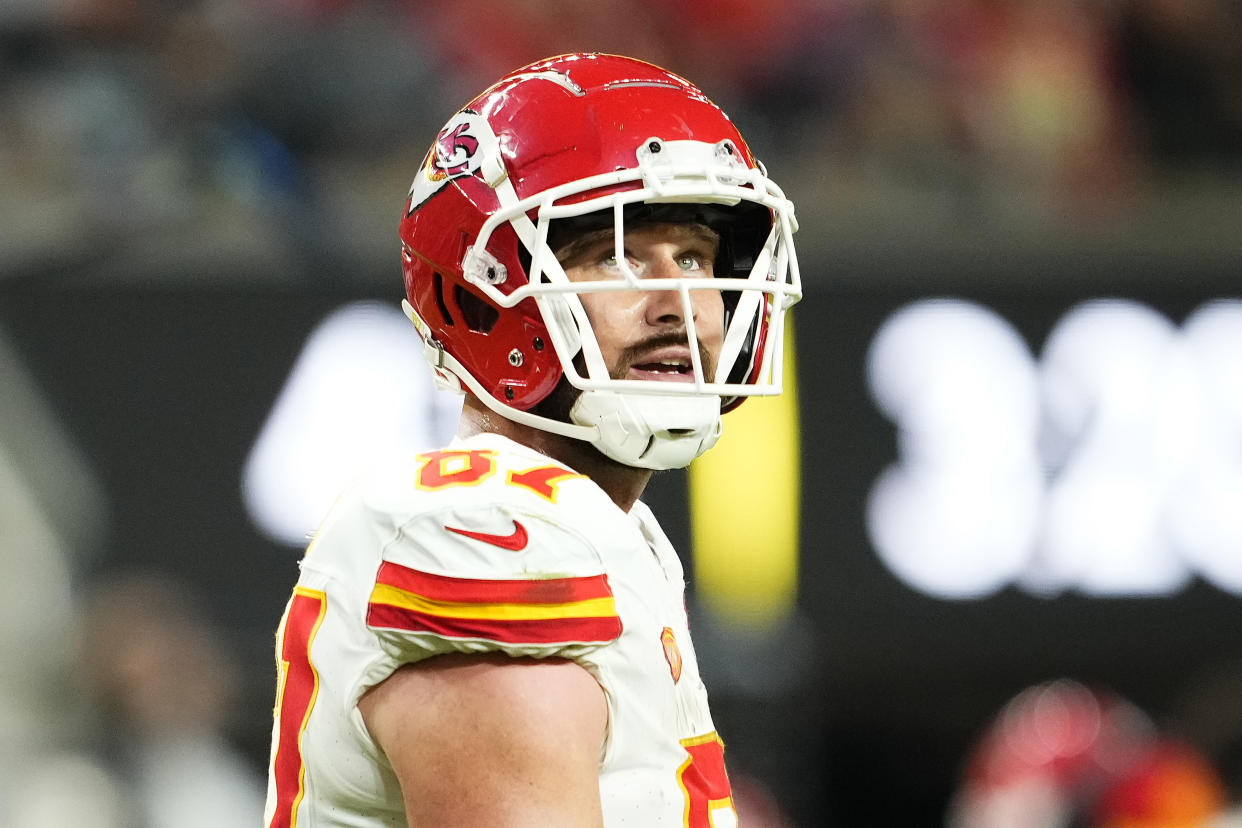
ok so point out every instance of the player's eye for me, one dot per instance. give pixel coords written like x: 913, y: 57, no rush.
x: 608, y: 261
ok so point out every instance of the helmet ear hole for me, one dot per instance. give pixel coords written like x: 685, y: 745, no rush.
x: 441, y: 305
x: 478, y: 316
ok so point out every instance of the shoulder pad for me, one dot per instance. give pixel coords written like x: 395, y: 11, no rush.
x: 490, y: 578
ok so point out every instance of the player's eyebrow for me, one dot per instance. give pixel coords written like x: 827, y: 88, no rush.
x: 577, y: 245
x: 588, y: 240
x: 703, y: 233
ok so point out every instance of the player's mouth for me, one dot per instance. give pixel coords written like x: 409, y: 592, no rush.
x: 665, y: 366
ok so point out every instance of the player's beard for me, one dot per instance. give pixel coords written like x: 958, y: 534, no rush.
x: 557, y: 405
x: 635, y: 354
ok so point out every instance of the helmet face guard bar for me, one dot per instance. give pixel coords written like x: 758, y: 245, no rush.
x: 676, y: 172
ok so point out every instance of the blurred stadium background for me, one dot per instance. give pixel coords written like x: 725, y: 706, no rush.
x: 1014, y: 480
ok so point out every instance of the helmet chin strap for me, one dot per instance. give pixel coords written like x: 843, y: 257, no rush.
x: 651, y: 431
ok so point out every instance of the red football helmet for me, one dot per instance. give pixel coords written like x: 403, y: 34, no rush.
x: 592, y: 141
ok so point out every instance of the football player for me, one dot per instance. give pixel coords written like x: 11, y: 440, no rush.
x: 495, y: 633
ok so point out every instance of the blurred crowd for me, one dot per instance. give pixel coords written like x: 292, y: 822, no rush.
x: 136, y: 731
x: 280, y: 134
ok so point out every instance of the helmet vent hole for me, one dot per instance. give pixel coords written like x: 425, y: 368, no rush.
x: 439, y: 291
x: 479, y: 316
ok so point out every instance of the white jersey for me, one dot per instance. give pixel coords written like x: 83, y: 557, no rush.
x: 490, y: 546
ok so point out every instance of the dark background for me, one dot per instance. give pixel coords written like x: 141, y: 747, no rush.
x: 165, y: 389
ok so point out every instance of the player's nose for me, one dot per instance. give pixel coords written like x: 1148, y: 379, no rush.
x: 666, y: 307
x: 662, y: 262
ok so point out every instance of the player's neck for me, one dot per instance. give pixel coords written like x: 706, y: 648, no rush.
x: 623, y: 484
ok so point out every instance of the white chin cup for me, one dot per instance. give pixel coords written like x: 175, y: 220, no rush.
x: 650, y: 431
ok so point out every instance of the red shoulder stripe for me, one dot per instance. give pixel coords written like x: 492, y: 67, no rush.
x: 484, y: 591
x: 516, y: 632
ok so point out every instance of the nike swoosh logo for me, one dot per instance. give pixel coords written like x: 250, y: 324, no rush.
x: 515, y: 541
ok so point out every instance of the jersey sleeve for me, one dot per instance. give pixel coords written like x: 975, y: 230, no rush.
x: 491, y: 578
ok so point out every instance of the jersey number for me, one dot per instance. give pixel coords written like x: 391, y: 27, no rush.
x: 297, y: 687
x: 709, y: 799
x: 458, y: 467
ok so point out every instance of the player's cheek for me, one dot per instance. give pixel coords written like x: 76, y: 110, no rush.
x: 709, y: 316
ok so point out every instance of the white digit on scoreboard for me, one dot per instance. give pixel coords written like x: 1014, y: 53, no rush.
x: 1112, y: 465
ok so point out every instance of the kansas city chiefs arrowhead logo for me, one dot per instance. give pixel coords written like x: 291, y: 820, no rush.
x: 672, y: 653
x: 455, y: 149
x: 459, y: 149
